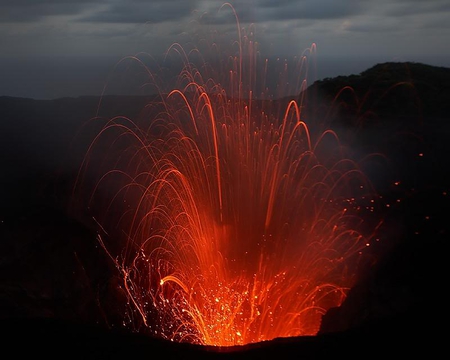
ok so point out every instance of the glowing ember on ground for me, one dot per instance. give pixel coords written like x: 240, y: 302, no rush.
x: 230, y: 220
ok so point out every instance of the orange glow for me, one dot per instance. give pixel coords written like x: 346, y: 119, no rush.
x: 229, y: 221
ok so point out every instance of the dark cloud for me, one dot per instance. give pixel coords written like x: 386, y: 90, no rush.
x: 220, y: 15
x: 34, y: 10
x: 308, y: 9
x: 249, y: 11
x: 437, y: 23
x: 140, y: 11
x: 259, y: 11
x: 400, y: 8
x: 373, y: 27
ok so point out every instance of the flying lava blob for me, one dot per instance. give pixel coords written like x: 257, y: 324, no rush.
x: 229, y: 218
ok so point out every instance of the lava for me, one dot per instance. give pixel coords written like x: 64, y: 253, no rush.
x: 229, y: 217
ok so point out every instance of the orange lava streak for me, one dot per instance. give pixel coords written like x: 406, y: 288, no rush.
x: 230, y: 224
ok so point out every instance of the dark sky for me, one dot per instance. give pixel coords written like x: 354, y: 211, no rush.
x: 56, y: 48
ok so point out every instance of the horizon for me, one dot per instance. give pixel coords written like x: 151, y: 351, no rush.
x: 70, y: 49
x: 101, y: 83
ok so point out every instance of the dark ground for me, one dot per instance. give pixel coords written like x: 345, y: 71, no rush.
x: 53, y: 283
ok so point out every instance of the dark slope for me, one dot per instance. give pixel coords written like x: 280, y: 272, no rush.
x: 53, y: 338
x: 399, y: 110
x: 390, y: 91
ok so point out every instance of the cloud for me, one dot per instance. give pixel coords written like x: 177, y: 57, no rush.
x: 31, y: 11
x: 260, y: 11
x: 437, y: 23
x: 214, y: 12
x: 309, y: 9
x: 120, y: 27
x: 141, y: 11
x: 400, y: 8
x: 249, y: 11
x: 371, y: 26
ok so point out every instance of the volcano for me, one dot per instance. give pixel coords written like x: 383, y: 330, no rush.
x: 59, y: 290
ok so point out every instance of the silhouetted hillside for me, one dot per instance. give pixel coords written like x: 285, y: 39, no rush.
x: 397, y: 109
x: 401, y: 90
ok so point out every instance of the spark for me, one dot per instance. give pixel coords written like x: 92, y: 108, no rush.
x: 230, y: 221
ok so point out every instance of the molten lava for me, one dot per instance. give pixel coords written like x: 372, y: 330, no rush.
x: 229, y: 219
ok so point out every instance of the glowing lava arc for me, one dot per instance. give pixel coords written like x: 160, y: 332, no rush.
x: 228, y: 221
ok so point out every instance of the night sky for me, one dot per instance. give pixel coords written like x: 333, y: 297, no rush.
x: 58, y: 48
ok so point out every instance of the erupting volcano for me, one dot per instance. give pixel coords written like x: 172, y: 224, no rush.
x: 231, y: 216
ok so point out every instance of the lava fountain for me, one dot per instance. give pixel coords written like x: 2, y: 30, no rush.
x: 229, y: 219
